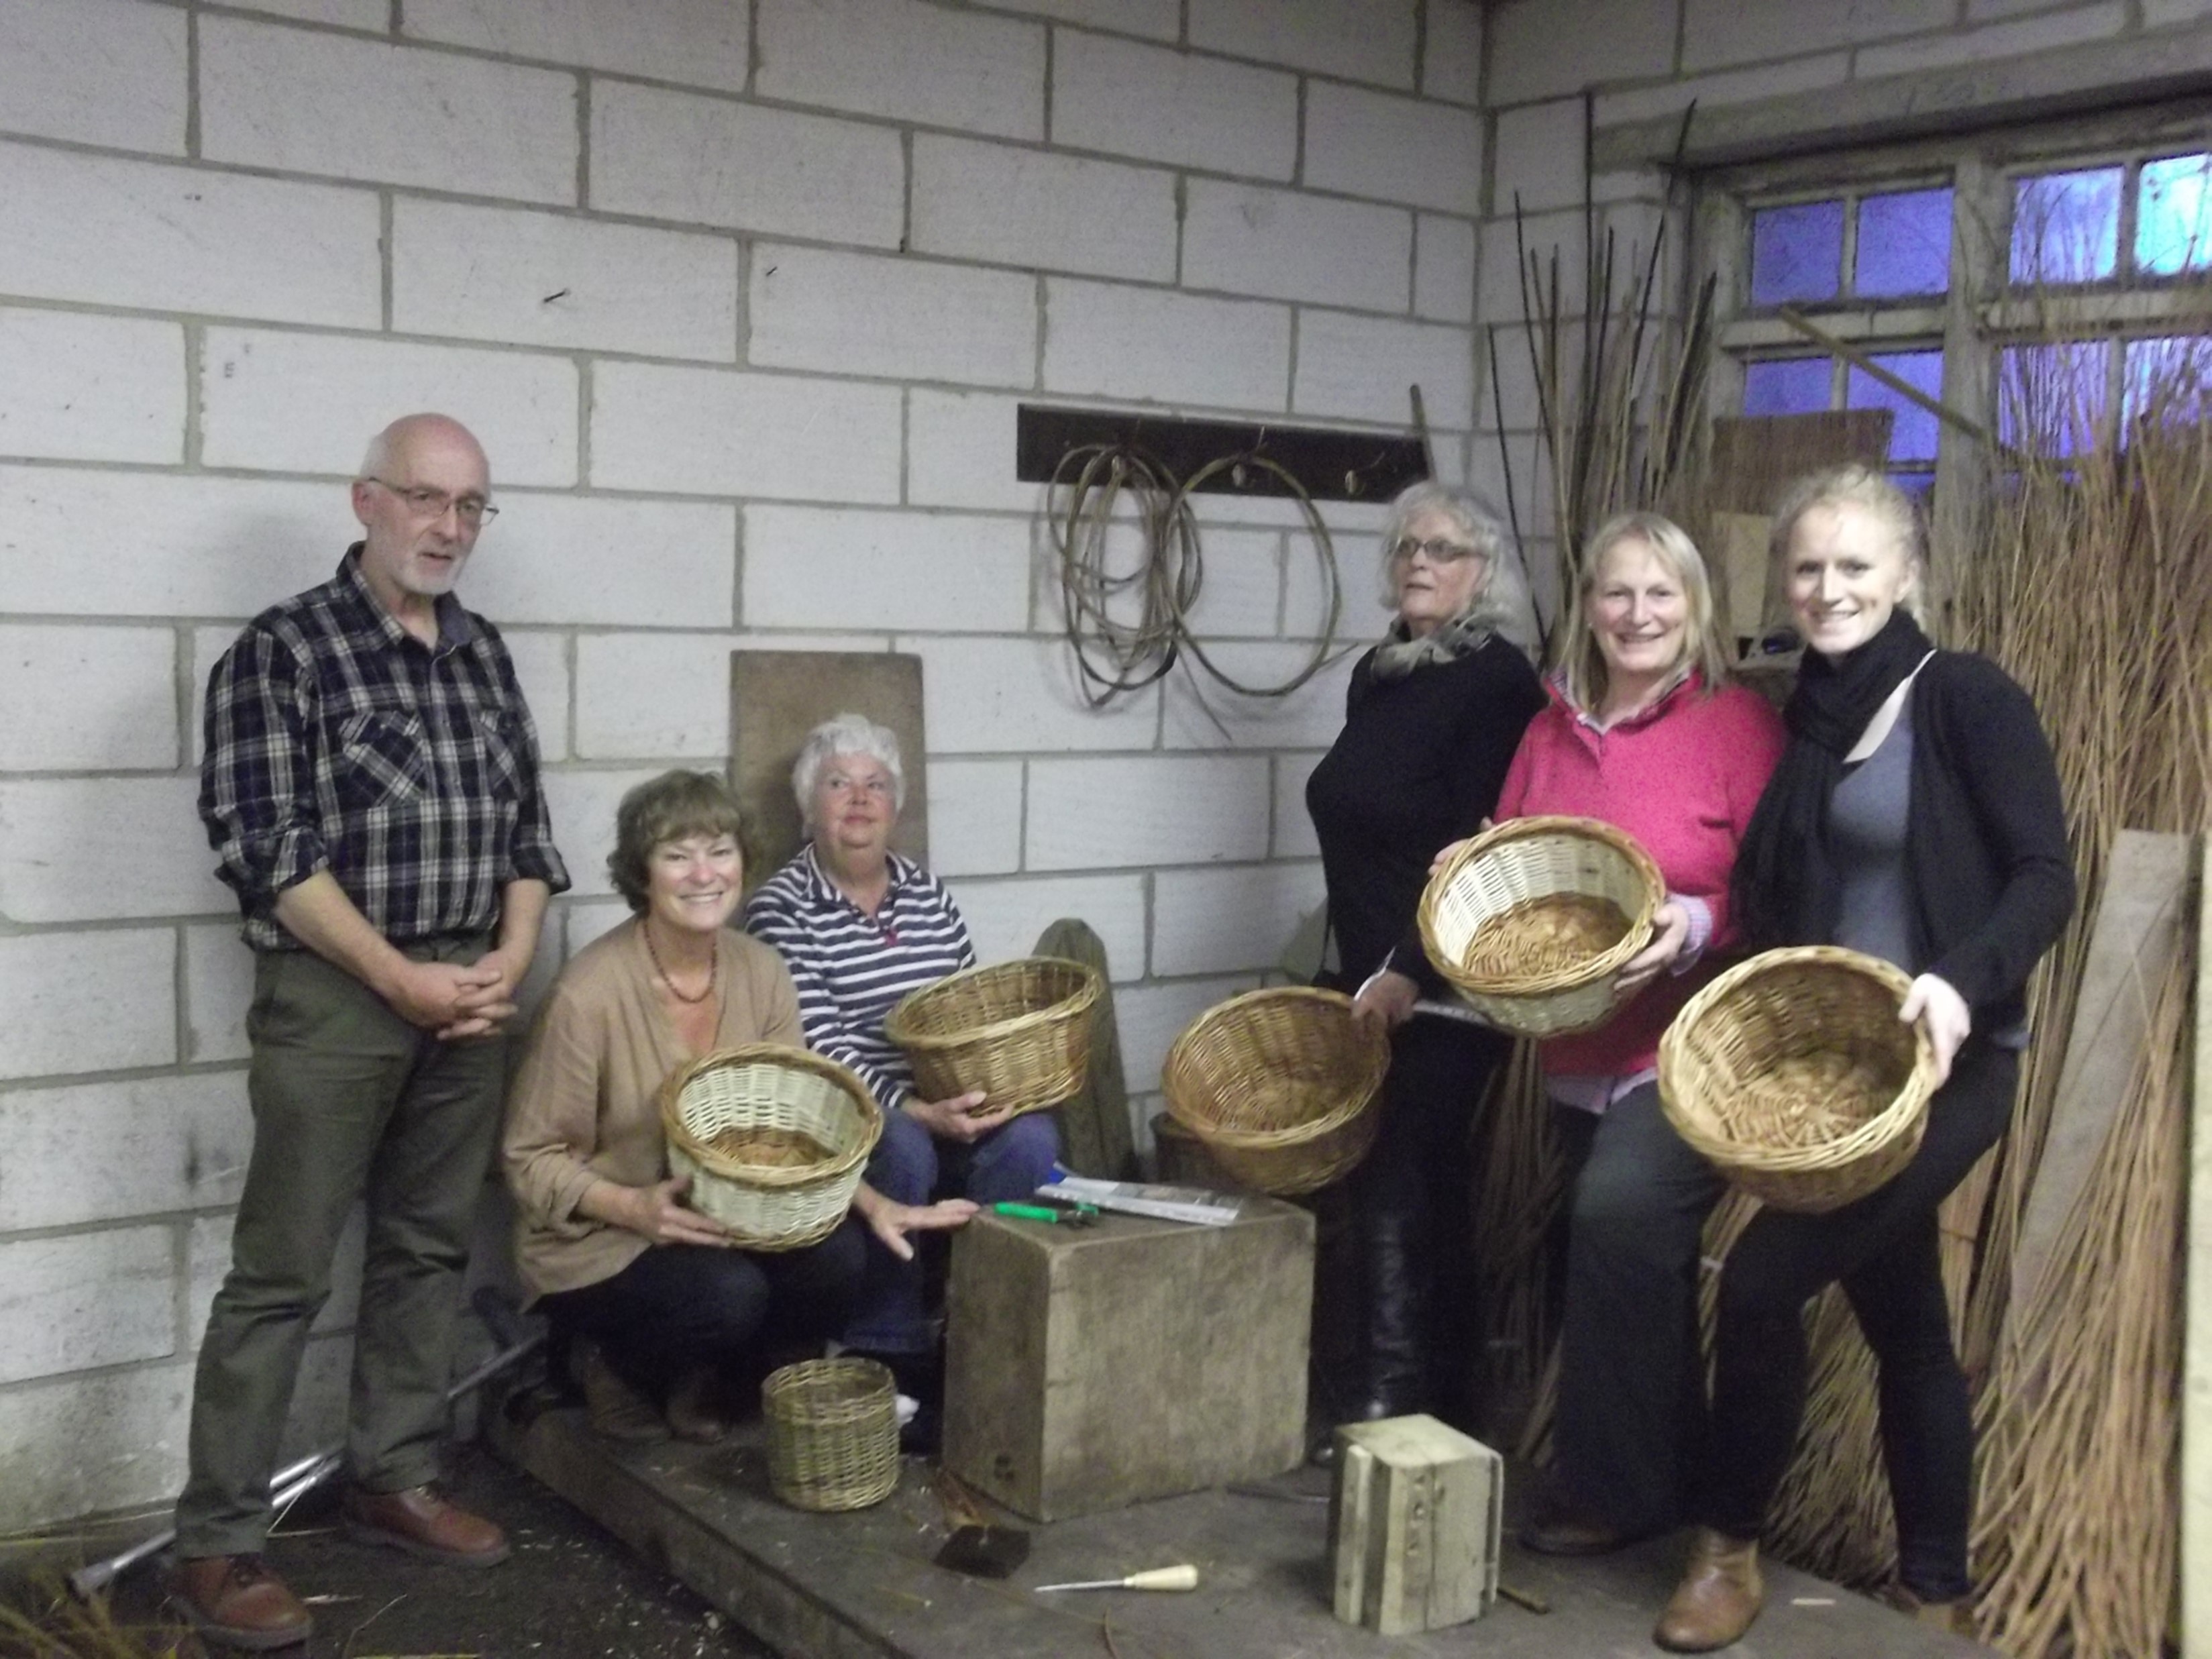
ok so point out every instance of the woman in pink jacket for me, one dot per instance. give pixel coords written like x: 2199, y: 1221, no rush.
x: 1644, y: 732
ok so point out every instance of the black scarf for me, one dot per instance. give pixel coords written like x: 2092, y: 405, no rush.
x: 1785, y: 886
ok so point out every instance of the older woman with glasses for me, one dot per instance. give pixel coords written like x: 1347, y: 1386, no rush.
x: 1431, y: 718
x: 859, y: 927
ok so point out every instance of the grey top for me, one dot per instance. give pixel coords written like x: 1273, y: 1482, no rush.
x: 1866, y: 839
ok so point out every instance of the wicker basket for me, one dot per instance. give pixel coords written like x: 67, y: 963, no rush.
x: 778, y: 1193
x: 832, y: 1433
x: 1793, y: 1076
x: 1280, y: 1085
x: 1020, y: 1031
x: 1530, y: 859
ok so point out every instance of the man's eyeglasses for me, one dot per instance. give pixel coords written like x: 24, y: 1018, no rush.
x: 1439, y: 550
x: 424, y: 502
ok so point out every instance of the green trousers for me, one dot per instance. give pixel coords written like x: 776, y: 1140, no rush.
x: 350, y: 1103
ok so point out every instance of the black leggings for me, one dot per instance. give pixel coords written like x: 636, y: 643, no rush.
x: 1884, y: 1250
x: 677, y: 1307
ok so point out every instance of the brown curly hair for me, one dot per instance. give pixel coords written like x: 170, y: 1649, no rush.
x: 674, y: 807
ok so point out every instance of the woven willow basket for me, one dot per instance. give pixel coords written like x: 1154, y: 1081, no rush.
x: 1793, y: 1076
x: 763, y: 1091
x: 1020, y: 1031
x: 832, y: 1433
x: 1280, y: 1085
x: 1523, y: 859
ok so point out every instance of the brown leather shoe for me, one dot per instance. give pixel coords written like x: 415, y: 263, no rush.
x: 1718, y: 1598
x: 423, y: 1523
x: 1956, y: 1617
x: 695, y: 1412
x: 235, y: 1600
x: 615, y: 1410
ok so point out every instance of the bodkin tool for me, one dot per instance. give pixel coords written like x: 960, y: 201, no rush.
x: 1181, y: 1577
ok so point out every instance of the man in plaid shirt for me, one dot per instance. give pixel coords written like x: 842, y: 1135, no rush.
x: 371, y: 789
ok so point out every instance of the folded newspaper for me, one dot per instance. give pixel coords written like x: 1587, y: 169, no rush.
x: 1193, y: 1204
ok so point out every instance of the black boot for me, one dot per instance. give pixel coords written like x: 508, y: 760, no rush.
x: 1396, y: 1331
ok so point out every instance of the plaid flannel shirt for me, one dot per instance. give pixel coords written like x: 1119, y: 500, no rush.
x: 336, y: 740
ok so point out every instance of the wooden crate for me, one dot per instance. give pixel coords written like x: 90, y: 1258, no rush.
x: 1088, y: 1368
x: 1414, y: 1525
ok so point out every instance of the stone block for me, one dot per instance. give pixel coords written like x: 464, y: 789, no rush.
x: 1216, y: 718
x: 373, y: 16
x: 697, y: 42
x: 1007, y: 918
x: 83, y: 1445
x: 98, y: 1299
x: 1443, y: 269
x: 524, y: 278
x: 1241, y: 595
x: 663, y: 154
x: 1359, y: 367
x: 1370, y: 42
x: 1539, y: 158
x: 1153, y: 1016
x: 1541, y: 48
x: 718, y: 432
x: 938, y: 573
x: 88, y: 388
x: 583, y: 803
x: 1219, y: 922
x: 2052, y: 33
x: 1294, y: 836
x: 1285, y: 245
x: 140, y: 835
x: 1130, y: 98
x: 1088, y: 1369
x: 1719, y: 33
x: 1780, y: 80
x: 905, y: 60
x: 603, y: 561
x: 101, y: 230
x: 1146, y: 345
x: 1397, y: 148
x: 218, y: 990
x: 1161, y: 20
x: 653, y: 696
x: 960, y: 451
x: 1012, y: 697
x: 1540, y: 236
x: 111, y: 1152
x: 1415, y: 1517
x: 314, y: 102
x: 860, y: 314
x: 87, y: 1002
x: 541, y: 665
x: 119, y: 712
x: 1136, y: 811
x: 975, y: 817
x: 1451, y: 52
x: 1015, y: 206
x: 109, y: 72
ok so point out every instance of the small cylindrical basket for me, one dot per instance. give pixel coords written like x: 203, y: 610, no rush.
x: 1793, y: 1076
x: 1280, y: 1085
x: 832, y: 1433
x: 1524, y: 862
x: 1020, y: 1031
x: 774, y: 1139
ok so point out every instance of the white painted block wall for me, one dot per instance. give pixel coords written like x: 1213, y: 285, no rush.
x: 741, y: 298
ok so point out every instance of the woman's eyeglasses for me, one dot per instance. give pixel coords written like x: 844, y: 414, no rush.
x: 1439, y: 550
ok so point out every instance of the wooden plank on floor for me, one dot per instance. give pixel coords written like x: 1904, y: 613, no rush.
x: 2197, y: 1356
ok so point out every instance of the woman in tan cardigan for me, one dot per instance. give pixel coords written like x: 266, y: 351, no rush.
x: 654, y: 1297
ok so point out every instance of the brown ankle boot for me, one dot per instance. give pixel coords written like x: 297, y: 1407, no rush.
x: 615, y: 1410
x: 1956, y: 1617
x: 1718, y: 1598
x: 695, y: 1413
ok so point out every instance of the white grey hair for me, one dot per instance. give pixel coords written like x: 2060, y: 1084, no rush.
x: 1501, y: 604
x: 845, y: 734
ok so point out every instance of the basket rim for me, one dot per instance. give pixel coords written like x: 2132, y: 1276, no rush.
x: 1377, y: 1052
x: 1602, y: 966
x: 1908, y: 1103
x: 720, y: 1163
x: 1076, y: 1003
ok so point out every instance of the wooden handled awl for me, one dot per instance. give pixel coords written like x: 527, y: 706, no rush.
x: 1182, y: 1577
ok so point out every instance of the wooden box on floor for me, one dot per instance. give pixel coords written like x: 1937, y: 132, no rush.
x: 1087, y: 1368
x: 1414, y: 1525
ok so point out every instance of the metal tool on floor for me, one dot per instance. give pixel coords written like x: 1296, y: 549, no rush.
x: 1181, y: 1576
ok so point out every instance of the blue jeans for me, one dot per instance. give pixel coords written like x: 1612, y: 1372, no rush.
x: 913, y: 1166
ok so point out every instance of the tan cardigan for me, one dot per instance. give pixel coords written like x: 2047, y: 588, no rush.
x: 583, y: 1105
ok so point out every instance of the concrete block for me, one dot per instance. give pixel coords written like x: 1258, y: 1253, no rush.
x: 2053, y: 33
x: 584, y: 922
x: 663, y: 154
x: 1145, y: 345
x: 1451, y: 52
x: 1372, y: 42
x: 87, y: 1002
x: 2166, y: 13
x: 1541, y: 48
x: 100, y: 230
x: 141, y: 834
x: 1307, y: 717
x: 1130, y: 98
x: 1284, y: 245
x: 82, y: 388
x: 1294, y: 836
x: 83, y: 1445
x: 1444, y: 268
x: 120, y: 710
x: 1401, y: 149
x: 1218, y: 921
x: 1359, y: 614
x: 975, y: 817
x: 1005, y: 918
x: 960, y: 451
x: 541, y: 665
x: 1031, y: 208
x: 1719, y: 33
x: 1161, y: 20
x: 860, y: 314
x: 1241, y: 590
x: 715, y: 432
x: 1516, y: 372
x: 101, y: 1298
x: 1415, y: 1520
x: 207, y: 1255
x: 1795, y: 74
x: 314, y: 102
x: 927, y: 572
x: 371, y: 15
x: 1151, y: 1016
x: 1539, y: 234
x: 606, y: 561
x: 1146, y: 810
x: 109, y: 1151
x: 218, y: 990
x: 701, y: 43
x: 906, y: 60
x: 1085, y: 1369
x: 658, y: 696
x: 583, y: 807
x: 1012, y: 697
x: 1359, y: 368
x: 1539, y: 158
x: 307, y: 403
x: 541, y: 279
x: 109, y: 72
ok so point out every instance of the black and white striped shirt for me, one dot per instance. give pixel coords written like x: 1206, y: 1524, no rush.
x: 851, y: 968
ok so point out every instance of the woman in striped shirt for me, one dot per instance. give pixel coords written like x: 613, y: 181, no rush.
x: 859, y: 926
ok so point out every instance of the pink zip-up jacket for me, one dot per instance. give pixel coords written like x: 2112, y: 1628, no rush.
x: 1682, y: 776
